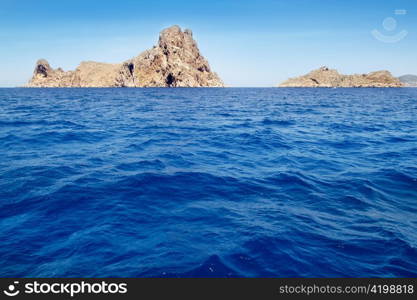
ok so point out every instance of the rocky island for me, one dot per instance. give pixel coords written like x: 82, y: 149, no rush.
x: 175, y: 62
x: 409, y: 80
x: 325, y: 77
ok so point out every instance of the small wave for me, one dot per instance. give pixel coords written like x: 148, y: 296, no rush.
x: 61, y: 137
x: 142, y: 165
x: 283, y: 123
x: 213, y: 267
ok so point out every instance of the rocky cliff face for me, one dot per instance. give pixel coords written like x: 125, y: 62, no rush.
x: 325, y: 77
x: 175, y: 62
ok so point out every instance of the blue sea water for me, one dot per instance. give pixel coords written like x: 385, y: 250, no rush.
x: 208, y: 182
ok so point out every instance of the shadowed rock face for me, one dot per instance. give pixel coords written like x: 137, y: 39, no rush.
x: 175, y: 62
x: 325, y: 77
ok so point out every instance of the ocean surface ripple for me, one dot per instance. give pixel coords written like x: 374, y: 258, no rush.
x: 235, y: 182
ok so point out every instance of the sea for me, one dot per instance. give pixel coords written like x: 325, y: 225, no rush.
x: 208, y: 182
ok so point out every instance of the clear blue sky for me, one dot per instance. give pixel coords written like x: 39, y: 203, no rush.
x: 248, y: 43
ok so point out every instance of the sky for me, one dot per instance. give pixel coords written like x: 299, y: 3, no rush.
x: 248, y: 43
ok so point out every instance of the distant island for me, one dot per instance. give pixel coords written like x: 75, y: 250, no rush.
x: 175, y: 62
x: 325, y: 77
x: 409, y: 80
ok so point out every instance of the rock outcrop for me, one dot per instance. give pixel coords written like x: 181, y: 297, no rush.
x: 409, y: 80
x: 175, y: 62
x: 325, y: 77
